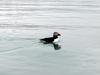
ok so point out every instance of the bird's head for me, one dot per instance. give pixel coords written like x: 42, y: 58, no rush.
x: 56, y: 34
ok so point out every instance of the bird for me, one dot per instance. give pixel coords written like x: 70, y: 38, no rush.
x: 52, y: 39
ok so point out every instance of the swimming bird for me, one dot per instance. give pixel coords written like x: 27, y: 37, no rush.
x: 52, y: 39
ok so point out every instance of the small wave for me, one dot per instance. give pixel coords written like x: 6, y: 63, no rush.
x: 10, y: 50
x: 65, y: 27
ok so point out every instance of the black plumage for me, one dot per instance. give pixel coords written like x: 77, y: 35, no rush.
x: 50, y: 39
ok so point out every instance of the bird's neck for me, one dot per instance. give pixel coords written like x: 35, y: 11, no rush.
x: 55, y: 37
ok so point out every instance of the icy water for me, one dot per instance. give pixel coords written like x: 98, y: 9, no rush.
x: 24, y: 22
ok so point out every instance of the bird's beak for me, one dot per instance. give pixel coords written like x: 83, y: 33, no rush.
x: 59, y: 34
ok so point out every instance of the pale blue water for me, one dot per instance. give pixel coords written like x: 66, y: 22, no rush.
x: 24, y: 22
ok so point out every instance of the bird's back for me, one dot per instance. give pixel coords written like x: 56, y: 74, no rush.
x: 48, y: 40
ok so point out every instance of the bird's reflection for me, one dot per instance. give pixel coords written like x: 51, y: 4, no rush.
x: 56, y: 46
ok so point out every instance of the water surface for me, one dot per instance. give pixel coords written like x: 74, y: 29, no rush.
x: 24, y: 22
